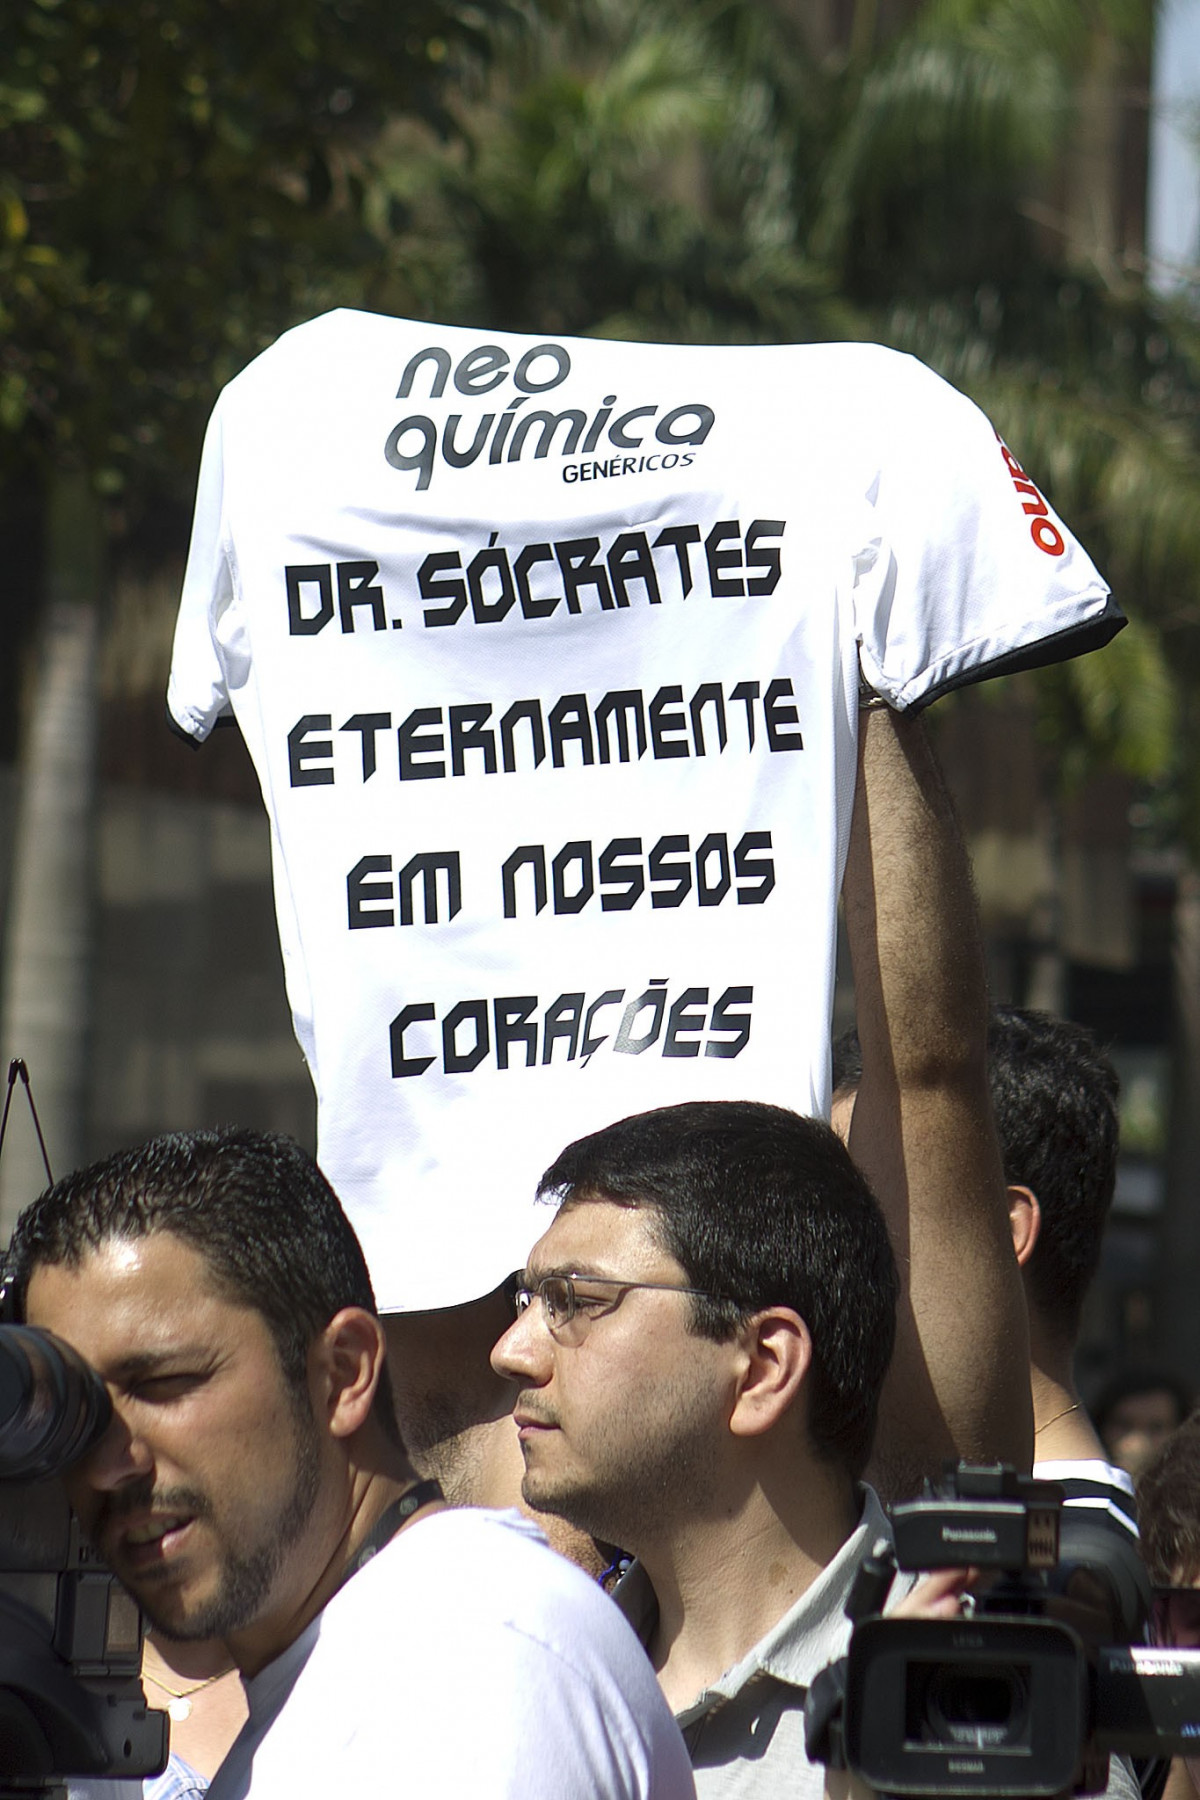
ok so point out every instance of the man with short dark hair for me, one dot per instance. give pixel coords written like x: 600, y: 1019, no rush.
x: 1055, y: 1096
x: 758, y: 1208
x: 704, y: 1335
x: 251, y: 1485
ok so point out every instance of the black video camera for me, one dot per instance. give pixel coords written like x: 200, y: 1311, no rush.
x: 71, y: 1701
x: 1007, y: 1701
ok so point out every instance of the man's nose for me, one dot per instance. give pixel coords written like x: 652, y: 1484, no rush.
x: 523, y: 1353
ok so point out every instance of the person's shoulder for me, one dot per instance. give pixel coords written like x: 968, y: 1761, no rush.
x: 496, y: 1564
x: 471, y: 1623
x: 477, y: 1530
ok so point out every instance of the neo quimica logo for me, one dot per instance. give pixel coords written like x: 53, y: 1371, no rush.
x: 507, y: 433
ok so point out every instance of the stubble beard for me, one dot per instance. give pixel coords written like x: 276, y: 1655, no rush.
x: 641, y: 1481
x: 247, y: 1577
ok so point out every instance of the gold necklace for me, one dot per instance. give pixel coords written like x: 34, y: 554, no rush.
x: 1056, y: 1418
x: 180, y: 1707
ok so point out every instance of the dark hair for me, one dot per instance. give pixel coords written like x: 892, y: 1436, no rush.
x: 255, y: 1207
x: 1168, y: 1497
x: 762, y: 1208
x: 1128, y: 1383
x: 1054, y: 1095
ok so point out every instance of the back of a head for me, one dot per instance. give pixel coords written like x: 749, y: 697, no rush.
x: 762, y: 1208
x: 1169, y: 1509
x: 253, y: 1205
x: 1054, y: 1094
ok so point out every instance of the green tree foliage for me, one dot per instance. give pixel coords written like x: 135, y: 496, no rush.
x: 179, y: 181
x: 1096, y: 381
x: 628, y: 177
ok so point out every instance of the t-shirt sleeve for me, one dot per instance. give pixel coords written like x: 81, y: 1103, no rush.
x: 969, y: 572
x: 197, y: 695
x: 508, y: 1716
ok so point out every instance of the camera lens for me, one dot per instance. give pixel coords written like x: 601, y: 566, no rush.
x: 53, y: 1406
x: 984, y: 1706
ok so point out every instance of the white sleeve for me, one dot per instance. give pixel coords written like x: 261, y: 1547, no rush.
x: 502, y: 1714
x: 973, y: 574
x: 577, y: 1731
x: 197, y: 695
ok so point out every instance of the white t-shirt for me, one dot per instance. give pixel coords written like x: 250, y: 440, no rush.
x: 465, y: 1659
x: 547, y: 657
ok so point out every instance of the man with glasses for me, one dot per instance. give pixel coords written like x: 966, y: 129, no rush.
x: 704, y: 1351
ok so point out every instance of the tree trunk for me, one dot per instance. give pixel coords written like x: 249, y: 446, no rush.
x: 47, y: 952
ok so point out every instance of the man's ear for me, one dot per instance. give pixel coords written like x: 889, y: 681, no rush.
x: 1025, y: 1221
x: 777, y: 1354
x: 345, y: 1364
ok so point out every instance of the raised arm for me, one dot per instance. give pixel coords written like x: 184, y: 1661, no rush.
x: 922, y: 1128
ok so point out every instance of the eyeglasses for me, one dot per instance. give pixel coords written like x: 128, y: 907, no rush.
x: 562, y: 1301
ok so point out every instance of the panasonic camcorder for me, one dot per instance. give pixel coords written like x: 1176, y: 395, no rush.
x: 1010, y: 1700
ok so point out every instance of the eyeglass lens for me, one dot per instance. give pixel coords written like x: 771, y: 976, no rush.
x: 558, y: 1298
